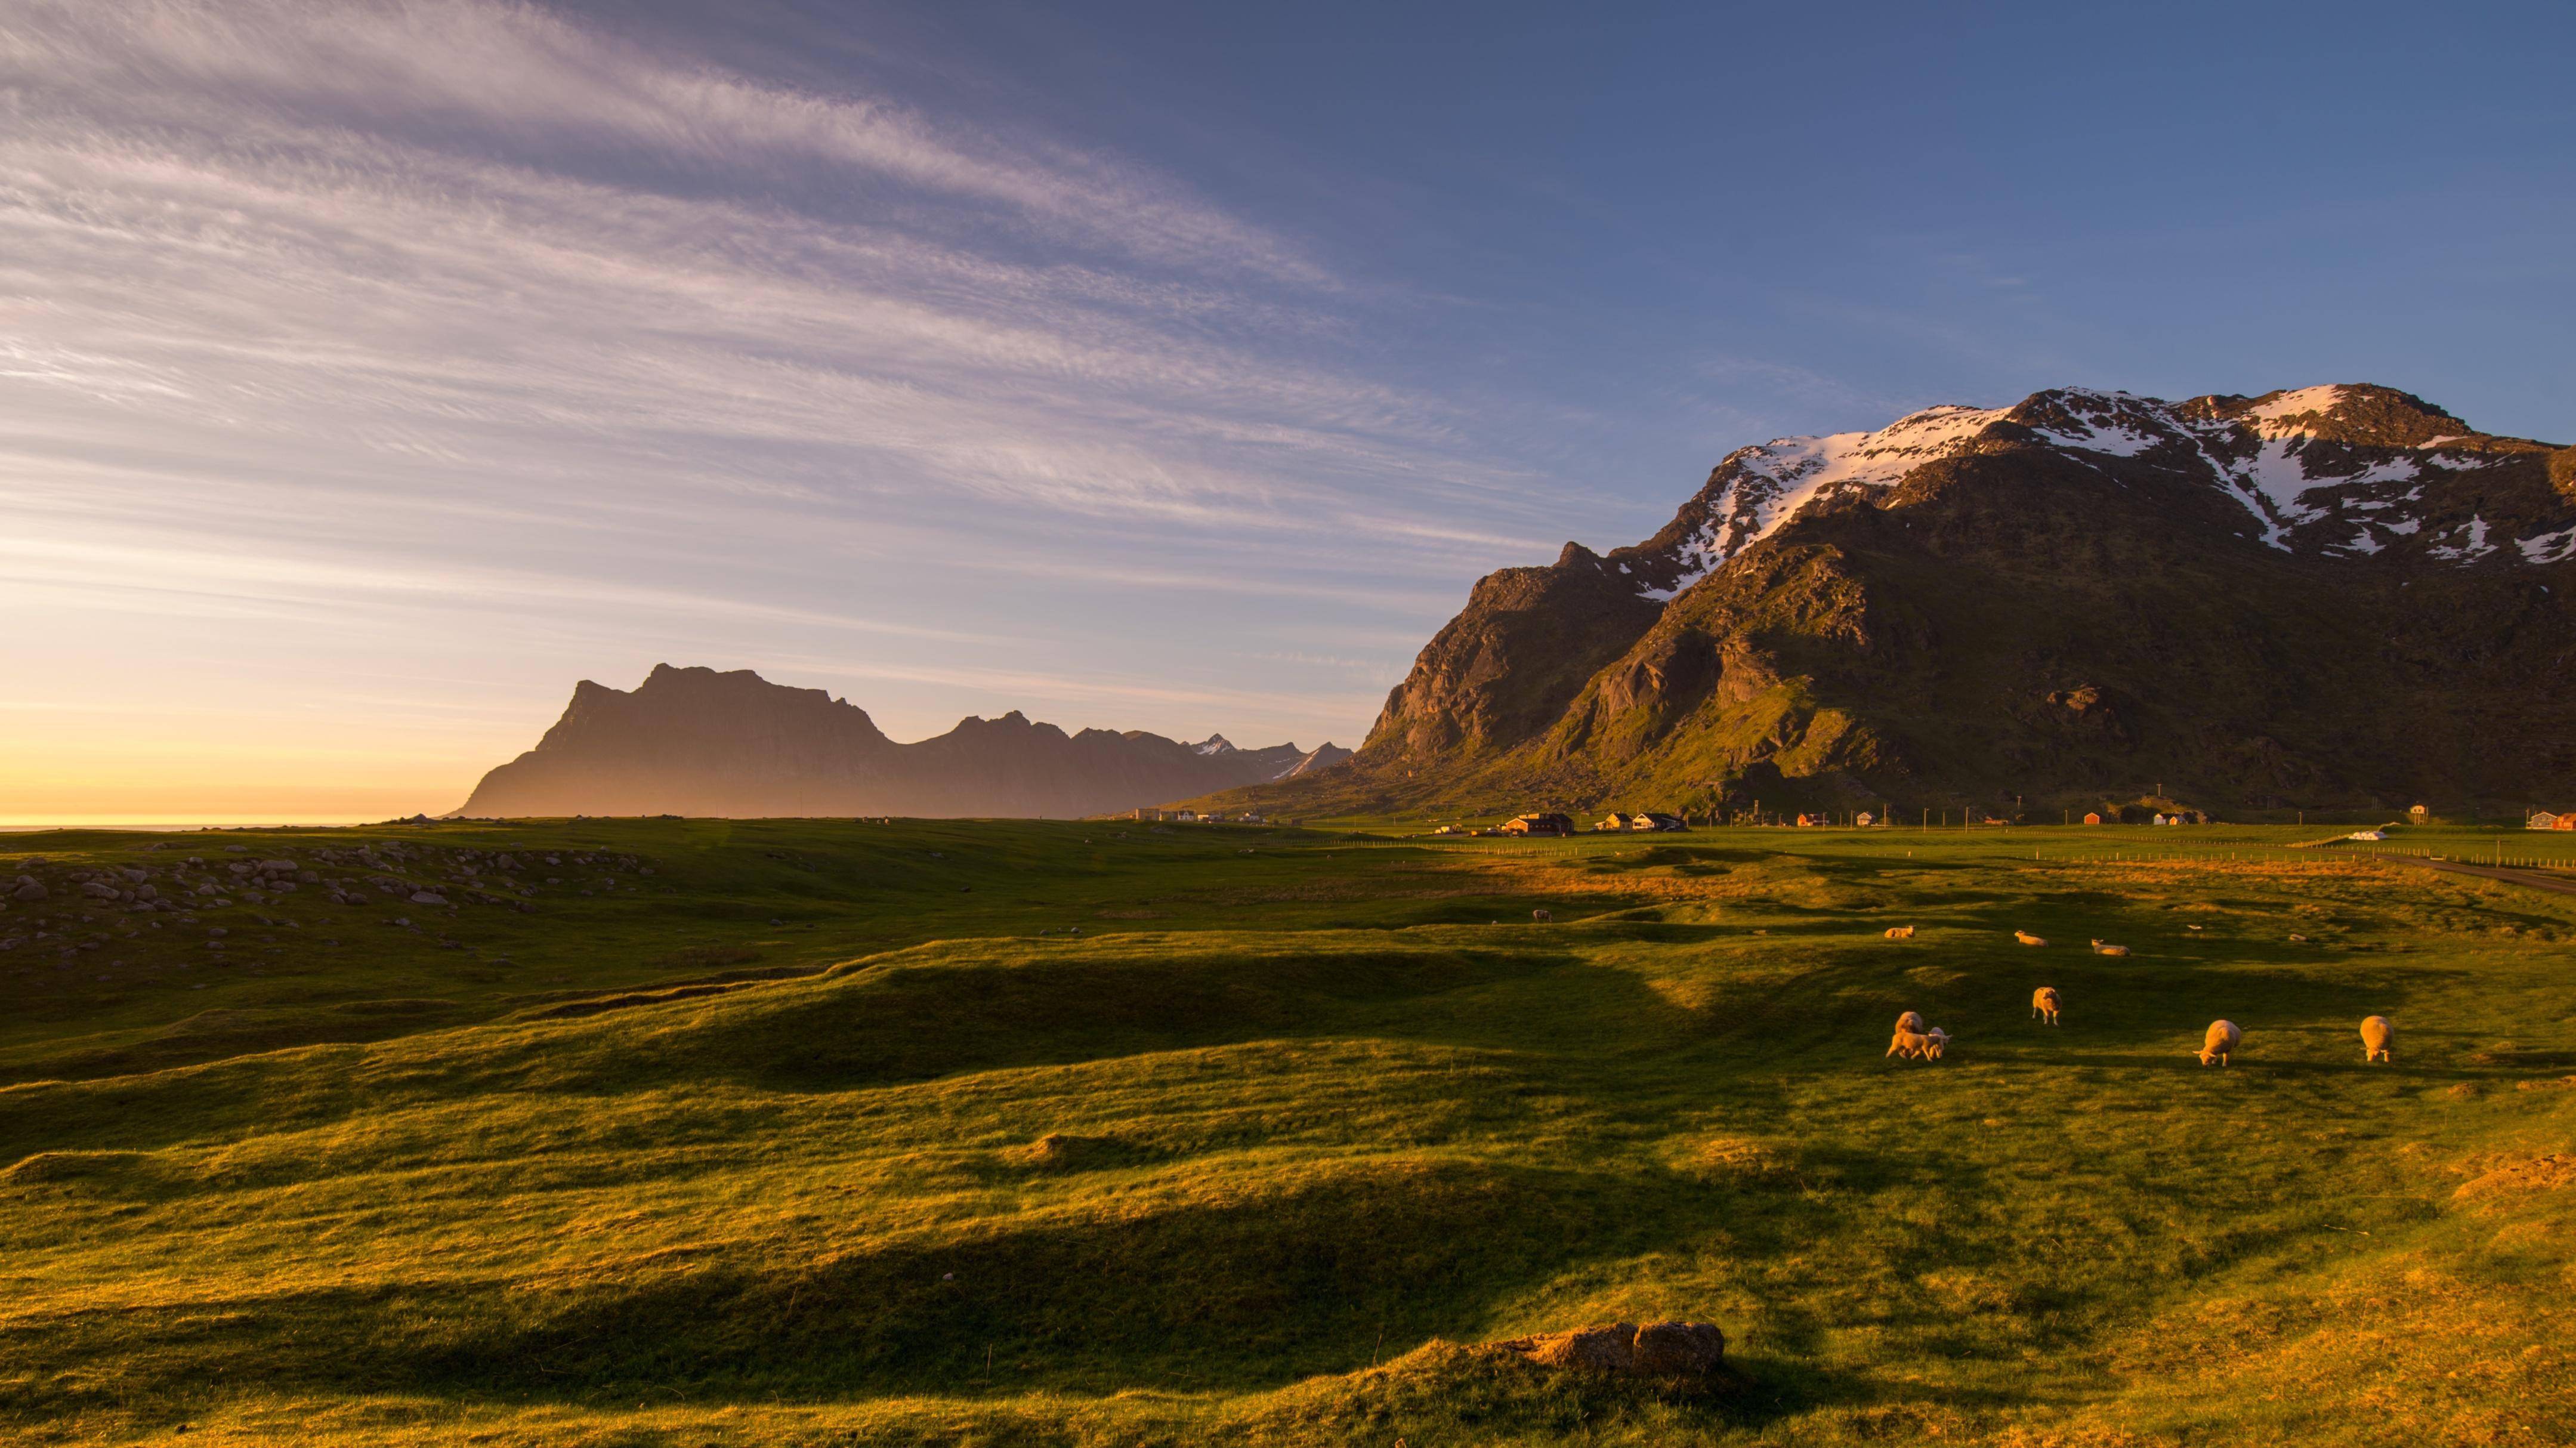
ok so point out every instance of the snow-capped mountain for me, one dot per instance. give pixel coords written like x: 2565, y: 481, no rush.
x: 2338, y: 595
x: 2347, y: 469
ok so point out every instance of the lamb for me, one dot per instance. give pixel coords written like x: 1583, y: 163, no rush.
x: 1918, y: 1045
x: 2378, y: 1039
x: 2100, y: 949
x: 2043, y: 1004
x: 1900, y: 932
x: 1910, y: 1021
x: 1542, y: 917
x: 2220, y: 1043
x: 2026, y: 938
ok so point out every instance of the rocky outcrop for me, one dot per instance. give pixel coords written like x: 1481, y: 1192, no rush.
x: 692, y: 741
x: 1625, y: 1349
x: 1505, y: 668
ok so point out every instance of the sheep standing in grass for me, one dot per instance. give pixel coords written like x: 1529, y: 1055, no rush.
x: 2221, y: 1043
x: 2026, y: 938
x: 2043, y: 1004
x: 2100, y: 949
x: 1900, y: 932
x: 1917, y: 1045
x: 2378, y: 1039
x: 1910, y: 1021
x: 1542, y: 917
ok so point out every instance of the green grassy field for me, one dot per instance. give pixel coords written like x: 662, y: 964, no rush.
x: 694, y: 1132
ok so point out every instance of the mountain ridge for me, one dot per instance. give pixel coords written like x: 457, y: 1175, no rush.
x: 694, y: 741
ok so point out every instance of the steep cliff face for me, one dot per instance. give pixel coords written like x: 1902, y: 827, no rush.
x: 2335, y: 596
x: 1504, y: 669
x: 692, y: 741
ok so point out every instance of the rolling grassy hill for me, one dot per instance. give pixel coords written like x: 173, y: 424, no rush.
x: 837, y: 1133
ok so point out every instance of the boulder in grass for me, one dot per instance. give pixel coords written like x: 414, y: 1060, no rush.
x: 427, y: 897
x: 1625, y: 1349
x: 1679, y: 1349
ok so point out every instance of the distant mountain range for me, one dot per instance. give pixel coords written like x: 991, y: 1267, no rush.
x: 2333, y: 596
x: 692, y: 741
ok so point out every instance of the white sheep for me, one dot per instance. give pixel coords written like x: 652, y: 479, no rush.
x: 2220, y: 1043
x: 2043, y: 1004
x: 2378, y: 1039
x: 1900, y: 932
x: 1910, y: 1021
x: 1542, y: 917
x: 1917, y: 1045
x: 2100, y: 949
x: 2026, y: 938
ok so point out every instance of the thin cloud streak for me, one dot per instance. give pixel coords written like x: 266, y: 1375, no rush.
x: 458, y: 328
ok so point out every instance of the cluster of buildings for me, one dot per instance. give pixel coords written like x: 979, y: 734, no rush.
x: 2544, y: 820
x: 1549, y: 825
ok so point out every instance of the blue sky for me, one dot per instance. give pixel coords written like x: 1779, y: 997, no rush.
x: 370, y: 372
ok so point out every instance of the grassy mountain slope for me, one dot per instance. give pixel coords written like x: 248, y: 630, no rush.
x: 1260, y: 1155
x: 2350, y: 601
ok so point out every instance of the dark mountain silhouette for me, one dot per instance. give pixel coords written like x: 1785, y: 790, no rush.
x: 2336, y: 596
x: 692, y: 741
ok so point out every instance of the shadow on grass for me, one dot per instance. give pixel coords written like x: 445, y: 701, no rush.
x: 1246, y: 1293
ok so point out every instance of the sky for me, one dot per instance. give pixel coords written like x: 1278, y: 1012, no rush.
x: 371, y: 372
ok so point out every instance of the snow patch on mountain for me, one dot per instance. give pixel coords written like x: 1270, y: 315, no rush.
x: 1775, y: 480
x: 2548, y: 547
x: 2474, y: 542
x: 1213, y: 744
x: 2273, y: 418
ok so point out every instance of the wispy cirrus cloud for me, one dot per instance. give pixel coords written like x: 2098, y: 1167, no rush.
x: 315, y: 307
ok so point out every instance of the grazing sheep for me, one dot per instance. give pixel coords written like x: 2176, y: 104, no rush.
x: 2100, y: 949
x: 2299, y: 939
x: 2026, y: 938
x: 1543, y: 917
x: 1917, y: 1045
x: 2378, y: 1039
x: 1900, y: 932
x: 1910, y: 1021
x: 2043, y: 1004
x: 2220, y: 1043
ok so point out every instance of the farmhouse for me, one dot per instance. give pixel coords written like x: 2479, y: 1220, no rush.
x: 1659, y: 822
x: 1617, y: 821
x: 1538, y: 824
x: 2544, y: 820
x: 2091, y: 818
